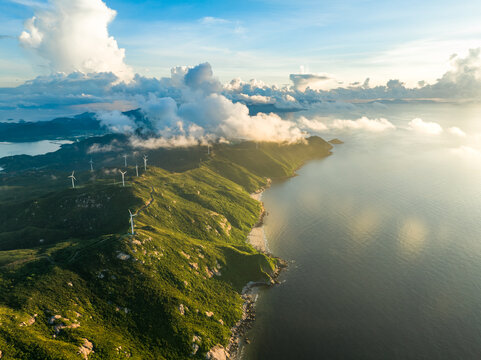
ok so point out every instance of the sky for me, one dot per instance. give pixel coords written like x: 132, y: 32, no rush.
x: 268, y: 40
x: 195, y: 71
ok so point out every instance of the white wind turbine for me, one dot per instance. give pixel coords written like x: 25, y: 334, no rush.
x: 132, y: 221
x: 208, y: 149
x: 137, y: 170
x: 91, y: 165
x: 123, y: 177
x: 73, y: 179
x: 125, y: 160
x: 145, y: 162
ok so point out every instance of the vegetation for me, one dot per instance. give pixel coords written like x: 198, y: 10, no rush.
x: 72, y: 279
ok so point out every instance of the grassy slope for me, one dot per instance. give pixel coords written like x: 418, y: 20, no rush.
x: 124, y: 294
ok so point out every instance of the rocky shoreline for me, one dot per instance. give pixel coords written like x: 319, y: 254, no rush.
x: 240, y: 329
x: 251, y: 291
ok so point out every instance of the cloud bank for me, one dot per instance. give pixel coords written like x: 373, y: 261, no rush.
x: 361, y: 124
x: 191, y: 106
x: 198, y: 113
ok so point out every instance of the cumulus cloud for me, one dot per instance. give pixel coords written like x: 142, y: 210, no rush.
x: 254, y: 99
x: 363, y: 123
x: 314, y: 125
x: 162, y: 113
x: 425, y: 127
x: 200, y: 114
x: 201, y: 78
x: 215, y: 115
x: 192, y: 106
x: 456, y: 131
x: 72, y: 36
x: 117, y: 122
x: 162, y: 142
x: 463, y: 80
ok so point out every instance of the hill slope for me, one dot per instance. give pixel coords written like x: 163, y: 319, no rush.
x: 74, y: 284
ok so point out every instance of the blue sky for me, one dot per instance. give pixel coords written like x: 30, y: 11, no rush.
x: 268, y: 40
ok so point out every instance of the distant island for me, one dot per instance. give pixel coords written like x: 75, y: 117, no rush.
x: 75, y: 283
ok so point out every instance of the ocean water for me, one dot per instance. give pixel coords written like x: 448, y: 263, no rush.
x: 384, y: 243
x: 30, y: 148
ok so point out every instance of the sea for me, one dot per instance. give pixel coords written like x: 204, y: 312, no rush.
x: 30, y: 148
x: 383, y: 240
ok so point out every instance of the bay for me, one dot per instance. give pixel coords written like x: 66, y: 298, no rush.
x: 384, y: 243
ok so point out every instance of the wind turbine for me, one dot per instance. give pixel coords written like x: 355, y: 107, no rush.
x: 125, y: 160
x: 123, y: 177
x: 137, y: 170
x: 73, y: 179
x: 132, y: 221
x: 208, y: 149
x: 91, y: 165
x: 145, y: 162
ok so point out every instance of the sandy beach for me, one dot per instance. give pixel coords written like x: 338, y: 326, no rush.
x: 250, y: 293
x: 257, y: 237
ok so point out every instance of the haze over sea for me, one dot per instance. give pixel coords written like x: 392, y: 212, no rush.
x: 384, y: 239
x: 30, y: 148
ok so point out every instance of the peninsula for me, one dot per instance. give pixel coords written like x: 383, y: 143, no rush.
x: 75, y: 283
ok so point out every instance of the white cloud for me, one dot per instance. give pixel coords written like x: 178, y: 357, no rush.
x: 363, y: 123
x: 199, y: 114
x: 117, y: 122
x: 215, y: 113
x: 313, y: 81
x: 161, y: 112
x: 98, y: 148
x: 255, y: 99
x: 424, y: 127
x: 456, y: 131
x: 72, y: 35
x: 162, y: 142
x: 314, y: 125
x: 210, y: 20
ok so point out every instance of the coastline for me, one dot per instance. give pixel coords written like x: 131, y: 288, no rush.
x: 250, y: 292
x: 257, y: 237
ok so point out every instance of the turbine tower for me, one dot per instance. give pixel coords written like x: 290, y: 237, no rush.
x: 132, y: 221
x: 123, y: 177
x: 125, y: 160
x: 208, y: 149
x: 73, y: 179
x: 145, y: 162
x: 137, y: 170
x: 91, y: 165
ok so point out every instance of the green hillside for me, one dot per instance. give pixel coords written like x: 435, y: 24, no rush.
x: 72, y: 279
